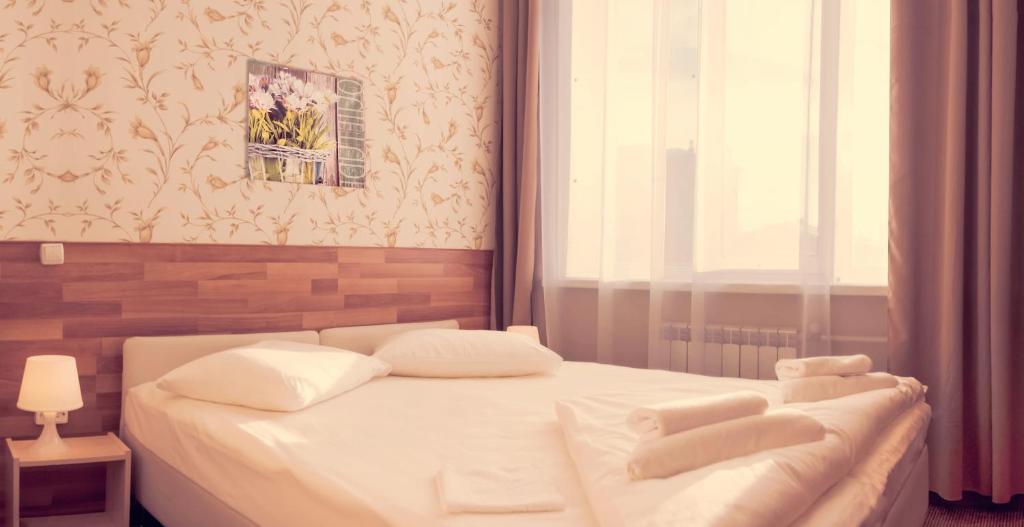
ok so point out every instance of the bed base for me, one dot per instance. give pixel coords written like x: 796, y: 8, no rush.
x: 174, y: 499
x: 911, y: 503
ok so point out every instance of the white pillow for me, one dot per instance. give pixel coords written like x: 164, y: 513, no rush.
x: 272, y: 375
x: 465, y: 353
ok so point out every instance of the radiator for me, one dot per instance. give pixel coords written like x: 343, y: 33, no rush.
x: 730, y: 351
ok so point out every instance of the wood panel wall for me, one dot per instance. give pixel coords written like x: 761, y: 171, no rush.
x: 104, y: 293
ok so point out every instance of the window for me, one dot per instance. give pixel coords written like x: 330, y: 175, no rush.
x: 747, y: 140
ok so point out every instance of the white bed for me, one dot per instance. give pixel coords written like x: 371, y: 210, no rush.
x: 368, y: 457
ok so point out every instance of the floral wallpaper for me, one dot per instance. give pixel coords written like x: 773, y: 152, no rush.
x: 122, y: 120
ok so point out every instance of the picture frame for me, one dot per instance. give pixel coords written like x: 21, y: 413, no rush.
x: 304, y: 126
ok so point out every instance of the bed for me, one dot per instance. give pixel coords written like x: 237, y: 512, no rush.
x: 368, y: 457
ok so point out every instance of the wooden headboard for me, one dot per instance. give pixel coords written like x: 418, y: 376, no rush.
x: 105, y: 293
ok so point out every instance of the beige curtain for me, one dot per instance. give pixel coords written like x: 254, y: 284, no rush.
x: 515, y: 254
x: 957, y: 234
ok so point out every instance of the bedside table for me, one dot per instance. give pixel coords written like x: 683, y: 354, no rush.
x: 106, y: 449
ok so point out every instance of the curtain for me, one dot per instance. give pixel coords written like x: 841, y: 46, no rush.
x: 765, y: 174
x: 694, y: 155
x: 515, y: 255
x: 957, y: 235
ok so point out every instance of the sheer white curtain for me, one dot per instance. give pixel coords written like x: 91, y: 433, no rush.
x: 762, y: 179
x: 690, y: 163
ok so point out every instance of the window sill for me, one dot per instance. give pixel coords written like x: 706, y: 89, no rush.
x: 765, y: 289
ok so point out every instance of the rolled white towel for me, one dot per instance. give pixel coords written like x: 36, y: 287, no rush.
x: 810, y: 389
x: 815, y: 366
x: 666, y: 418
x: 677, y: 453
x: 519, y: 488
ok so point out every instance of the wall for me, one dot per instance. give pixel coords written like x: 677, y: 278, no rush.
x: 122, y: 120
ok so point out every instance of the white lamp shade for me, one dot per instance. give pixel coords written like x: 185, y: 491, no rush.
x: 50, y: 384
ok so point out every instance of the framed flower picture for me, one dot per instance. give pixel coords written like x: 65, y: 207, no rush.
x: 304, y: 127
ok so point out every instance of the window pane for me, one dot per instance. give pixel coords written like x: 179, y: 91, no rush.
x: 586, y: 140
x: 755, y: 73
x: 611, y: 129
x: 628, y: 131
x: 681, y: 101
x: 862, y: 172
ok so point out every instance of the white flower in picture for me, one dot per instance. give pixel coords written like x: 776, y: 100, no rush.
x: 261, y: 100
x: 294, y: 102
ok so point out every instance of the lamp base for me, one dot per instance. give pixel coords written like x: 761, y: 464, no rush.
x: 49, y: 441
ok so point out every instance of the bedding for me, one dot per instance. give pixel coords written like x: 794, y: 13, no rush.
x: 363, y: 339
x: 147, y: 358
x: 371, y: 455
x: 859, y: 498
x: 272, y: 375
x: 769, y: 488
x: 466, y: 353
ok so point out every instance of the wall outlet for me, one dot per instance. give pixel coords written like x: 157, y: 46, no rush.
x: 62, y: 418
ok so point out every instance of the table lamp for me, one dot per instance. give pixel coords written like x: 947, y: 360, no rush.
x: 50, y: 385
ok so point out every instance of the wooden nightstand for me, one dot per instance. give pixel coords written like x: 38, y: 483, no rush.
x: 94, y: 449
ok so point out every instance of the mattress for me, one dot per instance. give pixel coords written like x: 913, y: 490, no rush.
x: 866, y: 494
x: 369, y: 456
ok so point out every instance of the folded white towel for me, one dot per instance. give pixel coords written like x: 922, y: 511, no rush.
x: 815, y: 366
x: 496, y: 490
x: 662, y: 419
x: 677, y: 453
x: 810, y: 389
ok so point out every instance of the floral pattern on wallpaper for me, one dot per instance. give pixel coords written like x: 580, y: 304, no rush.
x: 127, y: 122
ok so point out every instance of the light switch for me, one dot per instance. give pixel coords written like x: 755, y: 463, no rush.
x: 51, y: 253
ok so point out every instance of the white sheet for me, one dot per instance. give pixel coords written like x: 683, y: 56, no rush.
x: 771, y: 488
x: 370, y: 456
